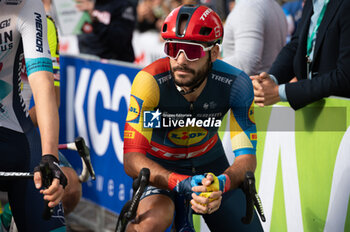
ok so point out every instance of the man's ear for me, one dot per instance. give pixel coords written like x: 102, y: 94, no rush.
x: 215, y: 53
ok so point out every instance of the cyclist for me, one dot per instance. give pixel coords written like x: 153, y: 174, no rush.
x: 176, y: 107
x: 23, y: 39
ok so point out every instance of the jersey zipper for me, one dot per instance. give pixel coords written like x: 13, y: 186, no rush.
x: 191, y: 108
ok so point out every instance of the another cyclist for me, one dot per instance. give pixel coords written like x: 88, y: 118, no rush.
x: 176, y: 107
x: 23, y: 39
x: 73, y: 190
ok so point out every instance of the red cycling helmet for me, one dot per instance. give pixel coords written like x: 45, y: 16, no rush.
x: 202, y: 24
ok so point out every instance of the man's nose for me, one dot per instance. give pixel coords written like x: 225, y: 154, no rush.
x: 182, y: 58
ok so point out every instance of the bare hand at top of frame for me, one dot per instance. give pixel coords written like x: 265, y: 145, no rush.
x: 265, y: 90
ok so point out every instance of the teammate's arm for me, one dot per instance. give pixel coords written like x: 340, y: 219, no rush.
x: 53, y: 41
x: 32, y: 111
x: 33, y: 28
x: 42, y: 86
x: 47, y: 114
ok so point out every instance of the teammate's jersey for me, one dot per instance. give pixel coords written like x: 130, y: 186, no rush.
x: 187, y: 130
x: 52, y: 37
x: 22, y: 41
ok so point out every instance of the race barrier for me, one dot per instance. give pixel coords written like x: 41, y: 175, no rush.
x: 304, y: 166
x: 94, y: 105
x: 303, y: 172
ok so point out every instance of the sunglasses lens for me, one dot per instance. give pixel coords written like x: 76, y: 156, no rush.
x: 193, y: 51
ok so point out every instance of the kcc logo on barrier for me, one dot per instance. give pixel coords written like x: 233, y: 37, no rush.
x: 95, y: 99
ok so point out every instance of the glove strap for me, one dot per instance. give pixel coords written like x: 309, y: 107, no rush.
x: 174, y: 179
x: 227, y: 183
x: 50, y: 157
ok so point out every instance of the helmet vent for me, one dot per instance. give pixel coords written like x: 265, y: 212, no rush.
x: 165, y: 26
x: 182, y: 26
x: 205, y: 31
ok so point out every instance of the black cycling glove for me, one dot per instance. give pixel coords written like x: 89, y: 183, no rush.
x: 49, y: 168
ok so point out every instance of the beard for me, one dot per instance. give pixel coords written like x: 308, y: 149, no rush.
x: 197, y: 78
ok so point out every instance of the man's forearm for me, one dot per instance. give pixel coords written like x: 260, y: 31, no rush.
x: 134, y: 162
x: 237, y: 170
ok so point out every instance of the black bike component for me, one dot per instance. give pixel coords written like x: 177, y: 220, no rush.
x: 84, y: 153
x: 46, y: 177
x: 252, y: 199
x: 128, y: 212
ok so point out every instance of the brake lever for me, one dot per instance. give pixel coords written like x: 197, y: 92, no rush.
x: 252, y: 199
x: 84, y: 153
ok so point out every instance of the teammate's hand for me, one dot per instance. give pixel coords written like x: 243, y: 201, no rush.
x: 183, y: 184
x: 55, y: 179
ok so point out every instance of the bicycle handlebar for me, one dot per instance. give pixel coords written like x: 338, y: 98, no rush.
x: 47, y: 177
x: 129, y: 210
x: 252, y: 199
x: 84, y: 152
x: 16, y: 175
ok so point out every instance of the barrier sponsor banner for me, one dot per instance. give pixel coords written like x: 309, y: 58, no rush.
x: 94, y: 105
x: 303, y: 166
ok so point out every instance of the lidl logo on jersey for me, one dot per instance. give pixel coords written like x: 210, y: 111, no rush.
x: 152, y: 119
x: 251, y: 113
x: 134, y: 109
x: 186, y: 136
